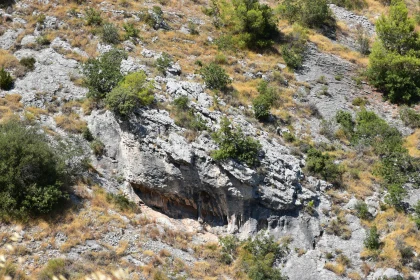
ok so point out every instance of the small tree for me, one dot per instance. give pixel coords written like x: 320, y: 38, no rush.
x: 395, y: 58
x: 215, y: 76
x: 31, y: 173
x: 235, y: 145
x: 103, y: 73
x: 372, y: 239
x: 310, y: 13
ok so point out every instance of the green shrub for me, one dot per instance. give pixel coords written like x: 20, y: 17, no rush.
x: 87, y: 135
x: 257, y: 257
x: 261, y: 108
x: 130, y: 31
x: 103, y: 73
x: 362, y: 210
x: 133, y: 91
x: 122, y: 202
x: 97, y: 147
x: 395, y: 58
x: 215, y: 76
x: 372, y: 239
x: 310, y: 13
x: 235, y: 145
x: 93, y: 17
x: 265, y: 100
x: 359, y: 101
x: 192, y: 27
x: 322, y: 164
x: 110, y: 34
x: 28, y: 62
x: 345, y: 119
x: 229, y: 244
x: 410, y: 117
x: 43, y: 40
x: 181, y: 103
x: 54, y: 268
x: 30, y: 172
x: 6, y: 80
x: 163, y: 62
x: 252, y: 22
x: 294, y: 50
x: 154, y: 19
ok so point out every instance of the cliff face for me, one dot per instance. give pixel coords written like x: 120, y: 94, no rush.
x: 181, y: 179
x: 168, y: 169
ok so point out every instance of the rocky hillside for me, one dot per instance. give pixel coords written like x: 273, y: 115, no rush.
x: 199, y: 148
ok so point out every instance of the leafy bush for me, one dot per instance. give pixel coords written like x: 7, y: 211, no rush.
x: 87, y: 135
x: 362, y: 210
x: 30, y: 172
x: 6, y: 80
x: 265, y: 100
x: 257, y: 257
x: 253, y: 23
x: 372, y: 239
x: 310, y: 13
x: 215, y: 76
x: 235, y: 145
x: 121, y: 201
x: 293, y: 51
x: 395, y: 58
x: 93, y: 17
x: 130, y: 31
x: 345, y: 119
x: 322, y: 164
x: 43, y: 40
x: 103, y: 73
x: 110, y: 34
x: 163, y: 62
x: 133, y: 91
x: 28, y: 62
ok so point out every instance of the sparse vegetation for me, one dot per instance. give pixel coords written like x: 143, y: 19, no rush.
x: 372, y: 239
x: 233, y: 144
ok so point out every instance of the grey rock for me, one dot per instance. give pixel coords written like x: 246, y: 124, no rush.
x: 28, y: 40
x: 132, y: 64
x: 8, y: 39
x: 389, y: 273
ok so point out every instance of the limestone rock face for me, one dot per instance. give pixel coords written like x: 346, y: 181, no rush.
x: 167, y: 172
